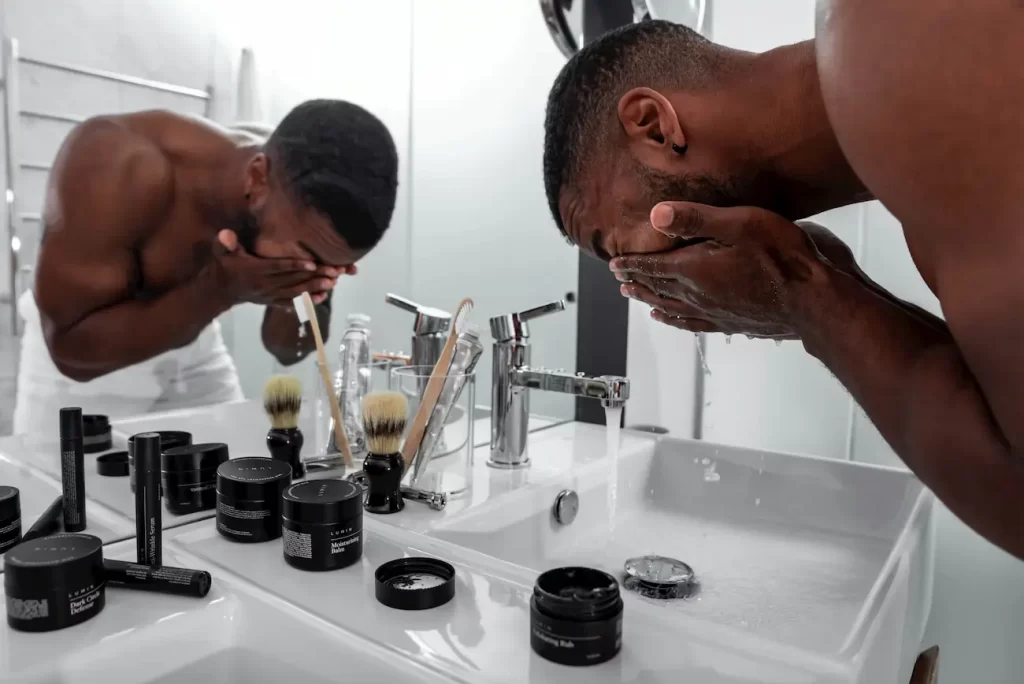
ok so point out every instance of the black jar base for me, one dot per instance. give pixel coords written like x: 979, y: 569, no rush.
x: 309, y: 566
x: 385, y: 508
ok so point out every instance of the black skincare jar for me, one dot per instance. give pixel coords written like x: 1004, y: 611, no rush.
x: 54, y: 582
x: 10, y: 517
x: 249, y: 498
x: 576, y: 616
x: 168, y: 440
x: 188, y: 476
x: 323, y: 524
x: 96, y: 435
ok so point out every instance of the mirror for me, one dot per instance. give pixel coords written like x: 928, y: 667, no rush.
x: 470, y: 218
x: 690, y: 13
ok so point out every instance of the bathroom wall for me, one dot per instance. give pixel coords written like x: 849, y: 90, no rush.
x: 780, y: 398
x: 482, y: 228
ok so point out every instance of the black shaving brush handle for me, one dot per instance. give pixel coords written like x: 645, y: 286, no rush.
x: 384, y: 478
x: 285, y: 444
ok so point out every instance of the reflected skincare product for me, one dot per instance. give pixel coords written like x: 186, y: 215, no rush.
x: 323, y: 524
x: 48, y: 523
x: 576, y: 616
x: 160, y: 579
x: 54, y: 582
x: 10, y: 517
x: 148, y: 523
x: 72, y: 468
x: 249, y: 498
x: 168, y: 440
x: 96, y: 435
x: 189, y: 476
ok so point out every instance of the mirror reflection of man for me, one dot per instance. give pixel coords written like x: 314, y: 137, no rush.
x: 685, y: 164
x: 156, y: 224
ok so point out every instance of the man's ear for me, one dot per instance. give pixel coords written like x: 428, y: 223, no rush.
x: 257, y: 181
x: 652, y: 126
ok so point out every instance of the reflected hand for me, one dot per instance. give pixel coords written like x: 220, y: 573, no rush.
x: 265, y: 280
x: 747, y: 273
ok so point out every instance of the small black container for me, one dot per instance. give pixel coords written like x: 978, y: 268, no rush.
x: 323, y: 524
x: 188, y: 476
x: 168, y: 440
x: 96, y: 433
x: 576, y: 616
x: 249, y: 498
x: 10, y: 517
x: 54, y: 582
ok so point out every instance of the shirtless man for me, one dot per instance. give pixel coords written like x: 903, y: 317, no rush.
x: 156, y: 224
x: 916, y: 103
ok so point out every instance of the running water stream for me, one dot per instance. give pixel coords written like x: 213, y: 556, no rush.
x: 613, y: 422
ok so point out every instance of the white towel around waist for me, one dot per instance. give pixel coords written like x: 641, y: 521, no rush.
x: 198, y: 374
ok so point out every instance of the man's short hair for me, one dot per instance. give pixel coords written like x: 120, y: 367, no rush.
x: 339, y: 160
x: 583, y: 103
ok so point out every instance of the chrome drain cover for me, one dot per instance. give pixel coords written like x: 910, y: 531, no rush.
x: 659, y: 577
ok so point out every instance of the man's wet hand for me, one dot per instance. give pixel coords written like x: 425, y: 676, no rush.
x: 746, y: 272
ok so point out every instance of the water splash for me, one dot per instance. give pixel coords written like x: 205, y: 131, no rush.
x: 711, y: 474
x: 700, y: 352
x: 728, y: 339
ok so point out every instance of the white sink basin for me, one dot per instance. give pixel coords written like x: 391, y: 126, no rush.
x: 482, y: 635
x: 808, y: 553
x: 236, y: 634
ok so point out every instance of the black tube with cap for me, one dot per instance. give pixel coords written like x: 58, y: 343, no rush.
x: 164, y: 580
x: 148, y: 523
x: 72, y: 468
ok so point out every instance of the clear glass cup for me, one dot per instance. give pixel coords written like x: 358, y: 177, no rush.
x: 444, y: 461
x: 372, y: 377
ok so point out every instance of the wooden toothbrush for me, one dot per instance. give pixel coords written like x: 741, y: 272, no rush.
x: 434, y: 385
x: 325, y: 376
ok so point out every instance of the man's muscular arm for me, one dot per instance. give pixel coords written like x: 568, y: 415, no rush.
x: 108, y: 190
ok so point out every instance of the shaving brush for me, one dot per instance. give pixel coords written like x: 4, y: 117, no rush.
x: 282, y: 400
x: 384, y: 416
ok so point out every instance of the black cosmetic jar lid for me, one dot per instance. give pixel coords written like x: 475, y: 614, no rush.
x: 193, y: 457
x: 576, y: 616
x: 10, y: 504
x: 253, y: 478
x: 114, y: 464
x: 96, y: 435
x: 10, y: 517
x: 415, y: 583
x: 54, y: 582
x: 320, y: 502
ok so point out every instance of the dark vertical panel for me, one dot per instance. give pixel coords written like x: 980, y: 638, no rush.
x: 602, y: 314
x: 602, y: 318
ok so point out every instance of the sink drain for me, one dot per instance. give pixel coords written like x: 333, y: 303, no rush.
x: 659, y: 577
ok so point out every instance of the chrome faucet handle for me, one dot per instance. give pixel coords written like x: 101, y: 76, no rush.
x: 428, y: 319
x: 513, y: 326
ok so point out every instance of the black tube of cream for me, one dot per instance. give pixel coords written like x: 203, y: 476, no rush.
x: 164, y: 580
x: 148, y: 523
x: 72, y: 468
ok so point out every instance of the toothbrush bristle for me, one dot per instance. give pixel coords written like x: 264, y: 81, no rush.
x: 465, y: 307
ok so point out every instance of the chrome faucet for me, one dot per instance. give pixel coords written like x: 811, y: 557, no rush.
x: 429, y: 330
x: 513, y: 377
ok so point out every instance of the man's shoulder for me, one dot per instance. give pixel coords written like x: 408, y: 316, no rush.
x: 108, y: 170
